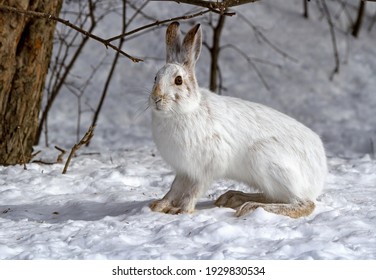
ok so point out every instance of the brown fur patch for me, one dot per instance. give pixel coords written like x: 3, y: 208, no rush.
x: 295, y: 210
x: 190, y: 37
x: 245, y: 203
x: 172, y: 33
x: 234, y: 199
x: 191, y: 47
x: 157, y: 90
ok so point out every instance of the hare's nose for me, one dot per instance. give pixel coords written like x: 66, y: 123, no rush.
x: 157, y: 99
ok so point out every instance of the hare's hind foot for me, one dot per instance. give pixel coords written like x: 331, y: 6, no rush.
x: 235, y: 199
x: 245, y: 203
x: 293, y: 210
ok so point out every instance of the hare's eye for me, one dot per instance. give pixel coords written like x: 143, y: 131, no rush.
x: 178, y: 80
x: 155, y: 79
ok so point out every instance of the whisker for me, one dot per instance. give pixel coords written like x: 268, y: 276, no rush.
x: 139, y: 91
x: 141, y: 110
x: 171, y: 109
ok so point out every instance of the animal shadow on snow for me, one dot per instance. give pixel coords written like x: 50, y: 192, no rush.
x: 73, y: 210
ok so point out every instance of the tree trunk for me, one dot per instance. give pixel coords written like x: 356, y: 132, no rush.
x: 305, y: 9
x: 214, y: 53
x: 359, y: 19
x: 25, y: 51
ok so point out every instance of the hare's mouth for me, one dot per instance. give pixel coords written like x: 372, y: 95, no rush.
x: 158, y: 103
x: 159, y: 107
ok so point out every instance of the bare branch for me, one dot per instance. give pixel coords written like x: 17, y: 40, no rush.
x: 372, y: 23
x: 157, y: 22
x: 214, y: 52
x: 113, y: 67
x: 251, y: 61
x: 67, y: 23
x: 22, y: 148
x: 59, y: 82
x: 217, y: 5
x: 87, y: 137
x: 334, y: 40
x: 61, y: 155
x: 265, y: 39
x: 359, y: 19
x: 305, y: 9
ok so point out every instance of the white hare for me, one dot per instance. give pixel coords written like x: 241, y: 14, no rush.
x: 205, y: 137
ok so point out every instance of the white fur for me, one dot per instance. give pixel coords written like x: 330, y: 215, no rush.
x: 205, y: 137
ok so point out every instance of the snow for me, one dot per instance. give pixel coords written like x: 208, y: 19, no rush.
x: 99, y: 209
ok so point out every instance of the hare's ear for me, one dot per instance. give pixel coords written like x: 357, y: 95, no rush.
x: 192, y: 46
x: 173, y: 43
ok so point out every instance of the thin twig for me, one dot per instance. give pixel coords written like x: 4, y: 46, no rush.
x: 67, y: 23
x: 372, y: 148
x: 159, y: 22
x: 58, y: 160
x: 138, y: 10
x: 215, y: 4
x: 59, y: 82
x: 254, y: 59
x: 334, y: 40
x: 113, y: 67
x: 266, y: 40
x: 305, y: 9
x: 87, y: 137
x: 252, y: 63
x: 372, y: 23
x: 35, y: 154
x: 43, y: 162
x: 22, y: 148
x: 61, y: 155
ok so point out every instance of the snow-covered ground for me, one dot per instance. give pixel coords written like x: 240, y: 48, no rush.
x: 99, y: 209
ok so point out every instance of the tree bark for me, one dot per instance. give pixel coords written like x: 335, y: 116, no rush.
x: 25, y: 51
x: 359, y: 19
x: 214, y: 53
x: 305, y: 9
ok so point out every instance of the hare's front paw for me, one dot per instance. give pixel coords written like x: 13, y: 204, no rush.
x: 165, y: 206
